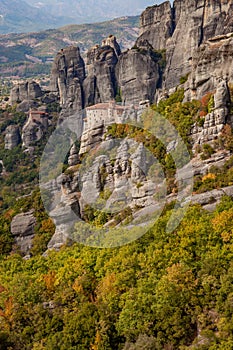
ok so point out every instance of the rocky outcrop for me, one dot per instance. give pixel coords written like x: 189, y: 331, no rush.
x: 210, y: 199
x: 195, y: 22
x: 186, y: 31
x: 12, y: 137
x: 73, y: 156
x: 64, y: 217
x: 92, y: 137
x: 69, y: 79
x: 138, y: 75
x: 215, y: 120
x: 156, y: 25
x: 22, y: 229
x: 112, y: 42
x: 100, y: 84
x: 66, y: 211
x: 28, y: 90
x: 181, y: 29
x: 212, y: 62
x: 68, y: 73
x: 35, y: 127
x: 125, y: 177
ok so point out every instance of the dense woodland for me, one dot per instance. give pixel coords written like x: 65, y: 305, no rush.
x: 163, y: 291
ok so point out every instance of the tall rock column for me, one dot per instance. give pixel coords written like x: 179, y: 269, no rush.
x: 12, y: 137
x: 100, y: 84
x: 68, y: 73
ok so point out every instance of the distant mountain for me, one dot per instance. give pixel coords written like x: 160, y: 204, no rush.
x: 32, y: 15
x: 91, y: 10
x: 25, y: 55
x: 19, y: 16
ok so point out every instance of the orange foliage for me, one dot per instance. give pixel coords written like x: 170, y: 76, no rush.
x: 47, y: 226
x: 204, y: 103
x: 9, y: 214
x: 50, y: 279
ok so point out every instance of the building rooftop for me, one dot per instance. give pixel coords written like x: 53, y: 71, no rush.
x: 109, y: 105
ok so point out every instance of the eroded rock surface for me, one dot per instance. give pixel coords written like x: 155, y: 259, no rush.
x: 35, y: 127
x: 100, y: 84
x: 156, y: 25
x: 212, y: 62
x: 68, y: 73
x: 214, y: 121
x: 138, y: 76
x: 28, y: 90
x: 22, y: 229
x: 12, y: 137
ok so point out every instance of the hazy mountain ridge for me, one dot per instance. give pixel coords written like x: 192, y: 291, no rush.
x: 19, y: 16
x: 27, y: 16
x: 40, y: 47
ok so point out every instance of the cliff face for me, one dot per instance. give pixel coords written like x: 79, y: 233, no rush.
x: 68, y: 73
x: 212, y: 62
x: 74, y: 87
x: 132, y: 75
x: 138, y: 76
x: 156, y: 25
x: 195, y: 22
x: 181, y: 29
x: 100, y: 84
x: 25, y: 91
x: 12, y: 137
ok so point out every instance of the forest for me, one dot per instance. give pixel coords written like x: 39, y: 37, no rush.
x: 163, y: 291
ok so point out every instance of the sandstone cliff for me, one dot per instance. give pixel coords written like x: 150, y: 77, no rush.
x: 181, y: 29
x: 25, y: 91
x: 195, y: 22
x: 212, y: 62
x: 156, y: 25
x: 100, y: 84
x: 138, y: 75
x: 22, y: 229
x: 68, y: 73
x: 12, y: 137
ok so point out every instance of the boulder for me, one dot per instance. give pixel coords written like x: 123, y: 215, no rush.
x: 28, y: 90
x: 22, y: 229
x: 12, y: 137
x: 23, y: 224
